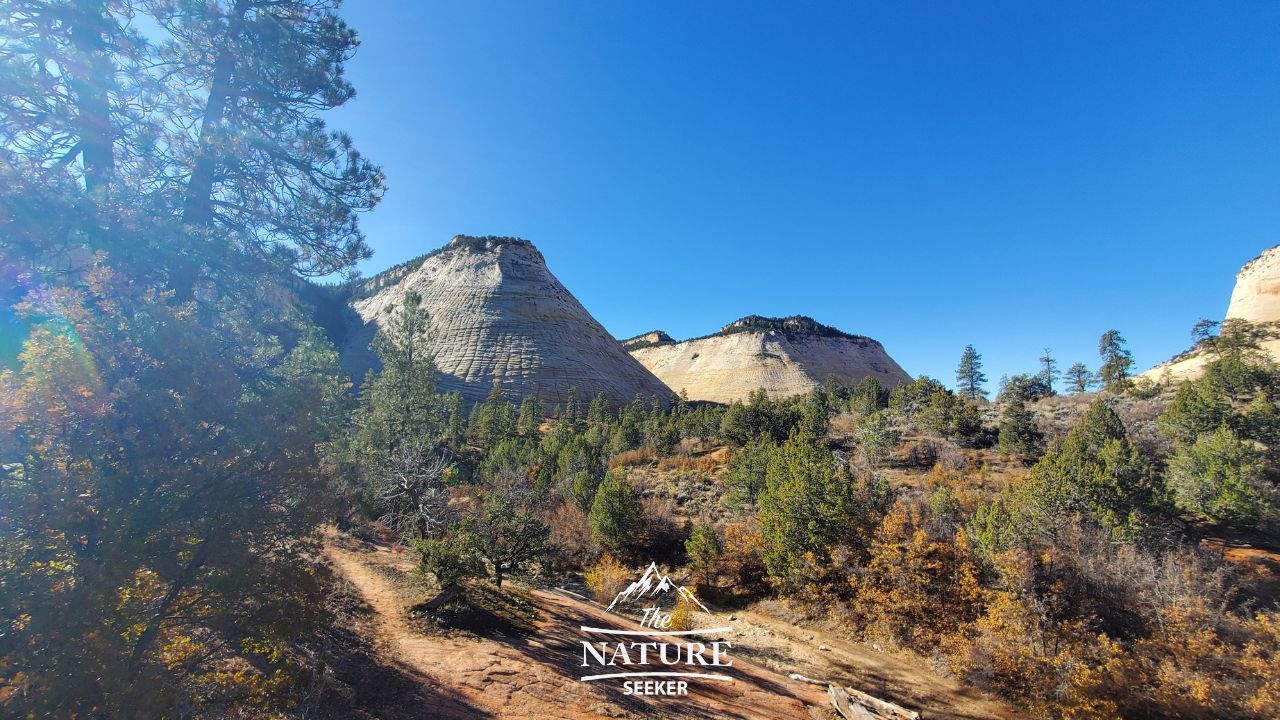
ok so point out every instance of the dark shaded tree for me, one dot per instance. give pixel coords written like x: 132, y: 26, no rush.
x: 505, y: 529
x: 160, y: 453
x: 254, y: 159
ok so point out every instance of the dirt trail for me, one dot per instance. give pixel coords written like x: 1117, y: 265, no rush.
x: 536, y: 675
x: 902, y: 679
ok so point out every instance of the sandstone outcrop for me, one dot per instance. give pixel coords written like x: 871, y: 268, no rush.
x: 1255, y: 297
x: 785, y: 356
x: 497, y: 312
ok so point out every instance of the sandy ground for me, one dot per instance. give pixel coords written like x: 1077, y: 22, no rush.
x: 1255, y: 557
x: 536, y: 675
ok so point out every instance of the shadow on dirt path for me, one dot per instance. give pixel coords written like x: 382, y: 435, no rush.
x: 537, y: 674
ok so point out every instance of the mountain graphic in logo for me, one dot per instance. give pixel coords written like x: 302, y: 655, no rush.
x: 651, y: 584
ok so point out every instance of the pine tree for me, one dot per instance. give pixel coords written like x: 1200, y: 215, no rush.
x: 1023, y: 387
x: 599, y: 413
x: 815, y: 414
x: 1050, y: 371
x: 703, y: 550
x: 404, y: 391
x: 1221, y: 478
x: 1019, y: 434
x: 530, y: 418
x: 616, y: 513
x: 803, y: 507
x: 400, y: 427
x: 1097, y: 473
x: 73, y: 71
x: 259, y: 163
x: 875, y: 438
x: 492, y: 421
x: 1079, y: 378
x: 569, y: 413
x: 1116, y: 360
x: 745, y: 471
x: 160, y: 452
x: 1204, y: 331
x: 455, y: 421
x: 969, y: 375
x: 867, y: 396
x: 505, y: 529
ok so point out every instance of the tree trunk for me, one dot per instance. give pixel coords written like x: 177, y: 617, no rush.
x: 152, y: 629
x: 447, y: 595
x: 197, y: 208
x: 92, y: 79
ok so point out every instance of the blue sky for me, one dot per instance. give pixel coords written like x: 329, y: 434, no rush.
x: 1014, y: 175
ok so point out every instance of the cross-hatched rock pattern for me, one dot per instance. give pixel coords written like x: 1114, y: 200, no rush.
x: 497, y: 312
x: 785, y: 356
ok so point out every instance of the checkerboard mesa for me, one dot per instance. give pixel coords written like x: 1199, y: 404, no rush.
x: 498, y: 313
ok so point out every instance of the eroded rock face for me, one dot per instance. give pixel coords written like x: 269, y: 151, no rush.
x: 649, y: 339
x: 1255, y: 297
x: 785, y: 356
x: 498, y: 312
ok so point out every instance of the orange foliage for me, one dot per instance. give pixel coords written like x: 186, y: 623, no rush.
x: 916, y: 589
x: 740, y: 559
x: 706, y: 463
x: 607, y: 578
x: 630, y: 458
x: 1196, y: 661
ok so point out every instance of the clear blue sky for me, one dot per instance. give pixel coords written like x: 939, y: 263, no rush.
x: 1013, y: 175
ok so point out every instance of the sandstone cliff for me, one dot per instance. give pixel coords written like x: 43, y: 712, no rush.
x: 785, y: 356
x: 498, y: 312
x: 1256, y: 298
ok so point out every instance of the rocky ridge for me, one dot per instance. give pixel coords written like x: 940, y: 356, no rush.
x: 785, y: 356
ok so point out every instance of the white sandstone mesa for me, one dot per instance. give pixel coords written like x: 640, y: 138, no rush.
x: 1255, y: 297
x: 497, y: 312
x: 785, y: 356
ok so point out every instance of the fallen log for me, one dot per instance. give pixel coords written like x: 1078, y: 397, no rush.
x: 882, y: 707
x: 572, y: 594
x: 843, y: 704
x: 804, y: 678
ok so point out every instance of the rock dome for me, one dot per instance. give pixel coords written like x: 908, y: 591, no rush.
x: 497, y: 312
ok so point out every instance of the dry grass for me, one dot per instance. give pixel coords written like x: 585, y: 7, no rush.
x: 632, y: 458
x: 705, y: 463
